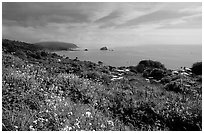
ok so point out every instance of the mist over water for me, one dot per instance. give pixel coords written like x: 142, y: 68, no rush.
x: 172, y: 56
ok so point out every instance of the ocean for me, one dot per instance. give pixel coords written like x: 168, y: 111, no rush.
x: 172, y: 56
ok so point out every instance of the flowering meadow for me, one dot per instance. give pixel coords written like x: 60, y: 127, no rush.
x: 42, y: 91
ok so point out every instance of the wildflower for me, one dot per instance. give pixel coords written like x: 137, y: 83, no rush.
x: 110, y: 122
x: 32, y: 128
x: 69, y: 128
x: 16, y: 127
x: 88, y: 114
x: 35, y: 121
x: 70, y: 113
x: 103, y: 126
x: 77, y: 124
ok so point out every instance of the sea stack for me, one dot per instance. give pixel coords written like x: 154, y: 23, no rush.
x: 104, y: 48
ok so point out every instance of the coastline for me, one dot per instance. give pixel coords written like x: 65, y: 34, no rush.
x: 172, y: 57
x: 120, y: 98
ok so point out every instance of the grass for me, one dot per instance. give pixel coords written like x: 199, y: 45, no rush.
x: 53, y: 97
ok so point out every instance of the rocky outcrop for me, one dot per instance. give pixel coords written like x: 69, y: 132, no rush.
x: 104, y: 48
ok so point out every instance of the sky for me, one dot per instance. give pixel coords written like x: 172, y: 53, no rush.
x: 110, y: 23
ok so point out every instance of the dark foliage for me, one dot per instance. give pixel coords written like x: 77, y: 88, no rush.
x: 146, y: 72
x: 133, y: 69
x: 12, y: 46
x: 174, y: 86
x: 166, y: 79
x: 140, y: 68
x: 20, y: 54
x: 157, y: 73
x: 151, y: 64
x: 197, y: 68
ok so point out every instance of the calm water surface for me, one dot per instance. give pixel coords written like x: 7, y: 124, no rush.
x: 172, y: 57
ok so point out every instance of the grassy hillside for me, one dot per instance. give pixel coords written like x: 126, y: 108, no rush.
x: 56, y: 45
x: 46, y: 92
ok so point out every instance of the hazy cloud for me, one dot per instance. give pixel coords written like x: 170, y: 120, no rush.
x: 156, y: 16
x: 89, y: 22
x: 40, y: 14
x: 109, y: 17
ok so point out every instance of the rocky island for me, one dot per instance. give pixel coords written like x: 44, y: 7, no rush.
x: 104, y: 48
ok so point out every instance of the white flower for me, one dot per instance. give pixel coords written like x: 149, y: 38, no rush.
x: 88, y: 114
x: 103, y: 126
x: 70, y: 113
x: 16, y: 126
x: 32, y: 128
x: 35, y: 121
x: 110, y: 122
x: 69, y: 128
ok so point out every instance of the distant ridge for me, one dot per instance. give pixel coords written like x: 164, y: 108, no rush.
x: 56, y: 45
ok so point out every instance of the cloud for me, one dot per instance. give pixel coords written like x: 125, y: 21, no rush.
x: 155, y: 17
x: 193, y: 10
x: 109, y: 17
x: 187, y: 22
x: 123, y: 12
x: 105, y: 22
x: 40, y: 14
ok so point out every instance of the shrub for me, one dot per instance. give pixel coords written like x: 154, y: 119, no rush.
x: 133, y: 69
x: 174, y: 86
x: 20, y: 54
x: 166, y: 79
x: 106, y: 78
x: 153, y: 64
x: 199, y: 78
x: 54, y: 55
x: 157, y: 73
x: 93, y: 75
x: 43, y: 54
x: 36, y: 55
x: 197, y: 68
x: 146, y: 73
x: 140, y: 68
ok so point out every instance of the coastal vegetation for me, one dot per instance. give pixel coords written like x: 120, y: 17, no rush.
x: 56, y: 46
x: 197, y: 68
x: 42, y: 91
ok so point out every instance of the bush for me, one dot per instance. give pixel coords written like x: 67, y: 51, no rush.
x: 36, y: 55
x: 106, y: 78
x: 152, y: 64
x: 20, y: 54
x: 93, y: 75
x: 199, y: 78
x: 166, y: 79
x: 174, y: 86
x: 140, y: 68
x: 157, y: 73
x: 197, y: 68
x: 146, y: 73
x: 133, y: 69
x: 43, y: 54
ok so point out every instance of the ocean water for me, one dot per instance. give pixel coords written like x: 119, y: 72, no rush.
x: 172, y: 56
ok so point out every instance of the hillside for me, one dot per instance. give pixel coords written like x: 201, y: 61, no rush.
x: 43, y: 91
x: 56, y: 45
